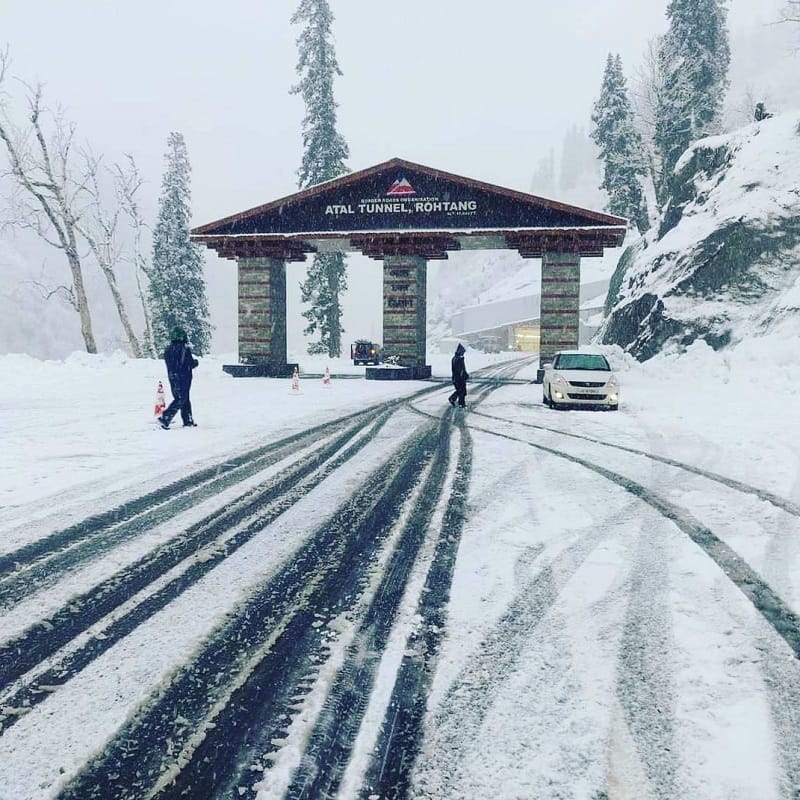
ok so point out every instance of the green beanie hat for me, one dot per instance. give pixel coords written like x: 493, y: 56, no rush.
x: 178, y: 335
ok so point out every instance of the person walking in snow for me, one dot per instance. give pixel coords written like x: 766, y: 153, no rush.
x: 180, y: 363
x: 460, y: 377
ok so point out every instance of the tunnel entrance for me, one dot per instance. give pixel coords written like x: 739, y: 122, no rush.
x: 403, y: 215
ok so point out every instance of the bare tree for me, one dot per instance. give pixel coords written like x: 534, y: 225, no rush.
x: 791, y: 11
x: 46, y: 290
x: 128, y: 183
x: 98, y: 226
x: 47, y: 201
x: 646, y: 86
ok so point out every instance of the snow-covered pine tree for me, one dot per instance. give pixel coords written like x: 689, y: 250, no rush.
x: 324, y: 154
x: 177, y: 292
x: 578, y: 157
x: 621, y: 148
x: 693, y: 61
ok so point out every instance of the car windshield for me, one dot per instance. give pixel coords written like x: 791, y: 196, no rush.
x: 581, y: 361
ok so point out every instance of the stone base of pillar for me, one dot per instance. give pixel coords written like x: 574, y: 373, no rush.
x: 539, y: 375
x: 388, y: 373
x: 260, y: 370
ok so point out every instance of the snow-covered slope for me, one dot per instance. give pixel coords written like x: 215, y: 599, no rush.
x: 725, y: 263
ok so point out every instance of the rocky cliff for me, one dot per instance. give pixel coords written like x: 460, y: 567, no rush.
x: 724, y: 264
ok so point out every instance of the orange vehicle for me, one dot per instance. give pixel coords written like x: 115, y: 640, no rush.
x: 363, y: 351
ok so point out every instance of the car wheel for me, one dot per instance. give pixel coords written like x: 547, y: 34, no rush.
x: 545, y: 398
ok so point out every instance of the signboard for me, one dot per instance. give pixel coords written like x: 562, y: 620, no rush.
x: 401, y: 198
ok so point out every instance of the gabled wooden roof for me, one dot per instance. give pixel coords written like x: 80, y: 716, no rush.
x: 398, y: 208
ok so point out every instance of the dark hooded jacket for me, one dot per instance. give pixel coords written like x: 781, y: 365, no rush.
x: 458, y: 368
x: 180, y: 362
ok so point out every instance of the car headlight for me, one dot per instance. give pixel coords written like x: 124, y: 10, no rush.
x: 612, y: 383
x: 558, y: 379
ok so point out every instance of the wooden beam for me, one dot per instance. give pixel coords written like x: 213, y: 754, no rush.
x: 425, y: 245
x: 281, y: 248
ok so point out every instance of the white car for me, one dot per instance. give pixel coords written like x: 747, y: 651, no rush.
x: 580, y: 379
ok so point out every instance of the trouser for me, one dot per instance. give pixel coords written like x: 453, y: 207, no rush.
x: 459, y: 394
x: 180, y: 402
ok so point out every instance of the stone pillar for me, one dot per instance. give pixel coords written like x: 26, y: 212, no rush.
x: 559, y: 316
x: 405, y: 297
x: 262, y: 317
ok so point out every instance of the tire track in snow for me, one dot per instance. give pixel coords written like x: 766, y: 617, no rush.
x: 247, y: 676
x: 128, y: 622
x: 784, y: 622
x: 780, y: 502
x: 781, y: 678
x: 389, y: 772
x: 166, y: 501
x: 44, y: 572
x: 330, y: 744
x: 462, y: 712
x: 230, y: 775
x: 782, y: 619
x: 33, y: 691
x: 45, y: 638
x: 644, y: 688
x: 162, y: 504
x: 335, y: 731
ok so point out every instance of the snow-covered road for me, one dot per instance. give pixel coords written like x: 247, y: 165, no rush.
x: 311, y: 600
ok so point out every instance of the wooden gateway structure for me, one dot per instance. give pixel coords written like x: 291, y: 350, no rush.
x: 402, y: 214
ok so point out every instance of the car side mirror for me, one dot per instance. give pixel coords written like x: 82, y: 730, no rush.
x: 549, y: 365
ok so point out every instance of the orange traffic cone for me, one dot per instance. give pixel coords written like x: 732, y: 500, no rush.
x: 326, y: 380
x: 160, y: 402
x: 295, y: 381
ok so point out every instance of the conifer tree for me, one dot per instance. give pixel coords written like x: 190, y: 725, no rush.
x: 693, y: 61
x: 578, y: 158
x: 543, y: 181
x: 621, y: 148
x: 177, y: 292
x: 324, y: 154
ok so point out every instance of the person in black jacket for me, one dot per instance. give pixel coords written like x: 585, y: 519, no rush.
x: 460, y: 377
x: 180, y: 363
x: 761, y: 112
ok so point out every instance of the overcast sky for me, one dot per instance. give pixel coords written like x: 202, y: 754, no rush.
x: 483, y: 88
